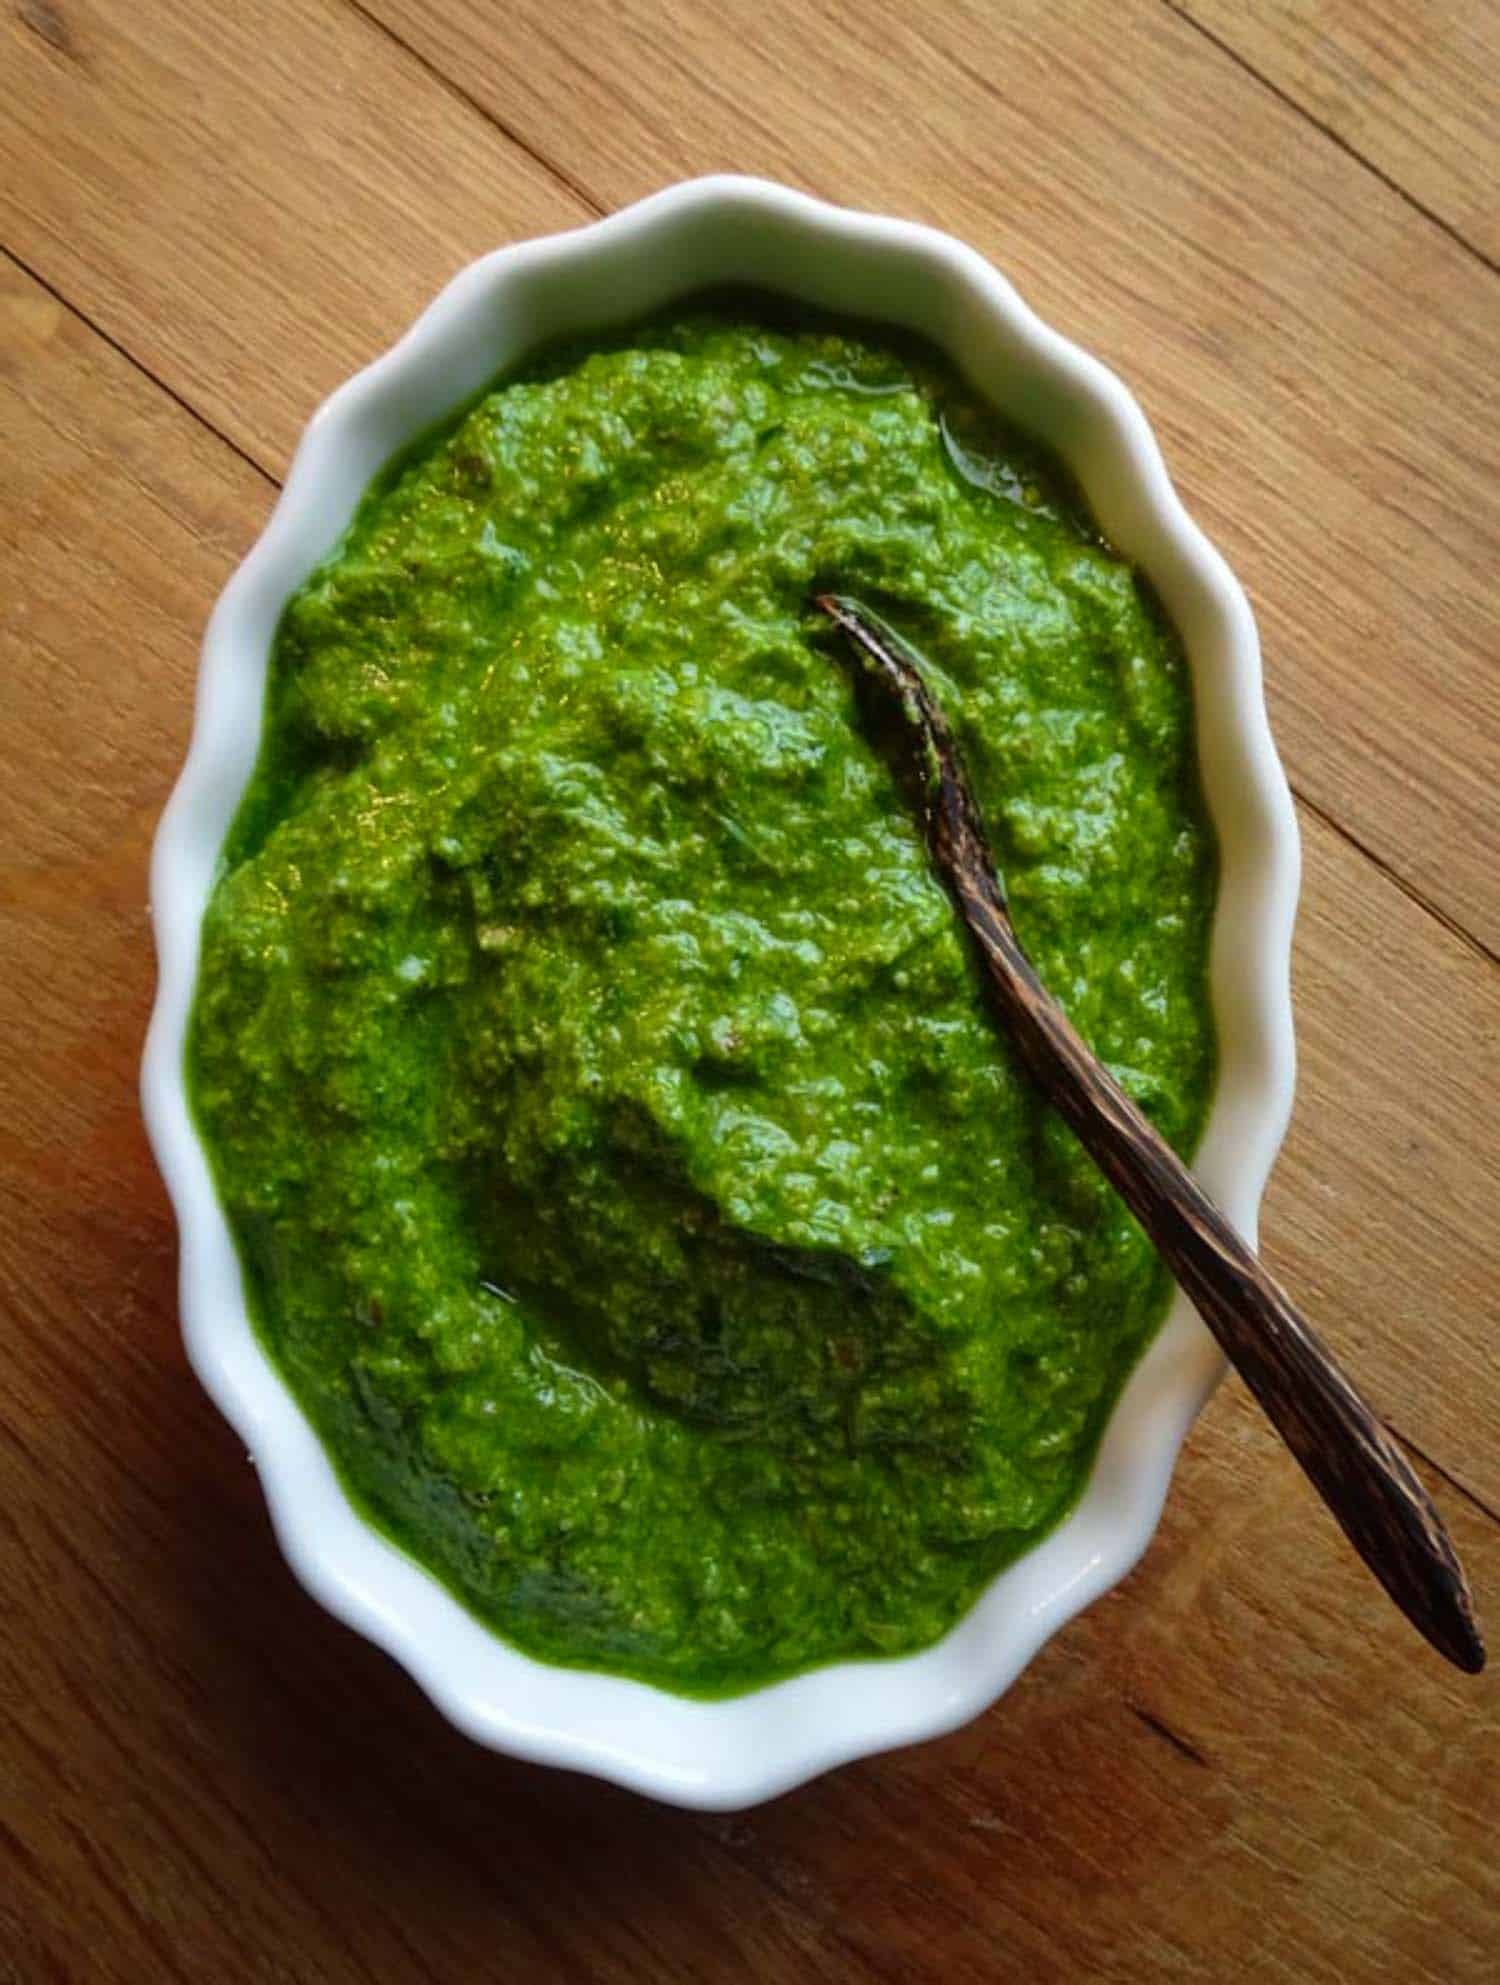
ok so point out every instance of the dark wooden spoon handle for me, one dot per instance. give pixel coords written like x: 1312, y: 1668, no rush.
x: 1341, y: 1445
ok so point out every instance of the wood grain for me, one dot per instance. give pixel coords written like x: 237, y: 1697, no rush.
x: 1382, y: 1207
x: 253, y: 199
x: 1320, y: 361
x: 1232, y: 1768
x: 1411, y: 85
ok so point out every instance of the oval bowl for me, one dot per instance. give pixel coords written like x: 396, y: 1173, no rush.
x: 728, y: 1754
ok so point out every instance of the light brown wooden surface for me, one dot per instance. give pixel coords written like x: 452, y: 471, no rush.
x: 1237, y: 1766
x: 1411, y: 86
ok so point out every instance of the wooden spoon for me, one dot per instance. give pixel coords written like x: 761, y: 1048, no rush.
x: 1342, y: 1447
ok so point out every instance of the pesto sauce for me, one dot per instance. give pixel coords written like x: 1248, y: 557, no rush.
x: 629, y: 1179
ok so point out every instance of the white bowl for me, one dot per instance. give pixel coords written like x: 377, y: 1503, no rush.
x: 728, y: 1754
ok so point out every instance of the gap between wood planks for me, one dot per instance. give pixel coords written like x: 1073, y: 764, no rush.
x: 1182, y: 1745
x: 1408, y: 889
x: 97, y: 330
x: 1225, y: 48
x: 1451, y: 1481
x: 457, y: 90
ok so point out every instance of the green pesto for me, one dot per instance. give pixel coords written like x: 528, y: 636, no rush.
x: 630, y: 1180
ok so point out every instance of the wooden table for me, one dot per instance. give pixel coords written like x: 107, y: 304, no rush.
x: 1279, y: 221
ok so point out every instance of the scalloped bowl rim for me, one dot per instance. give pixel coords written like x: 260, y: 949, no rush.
x: 728, y: 1754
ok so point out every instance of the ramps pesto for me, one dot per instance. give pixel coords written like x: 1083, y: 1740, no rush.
x: 629, y: 1180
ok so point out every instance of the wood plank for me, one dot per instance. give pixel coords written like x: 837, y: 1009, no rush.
x: 253, y: 199
x: 1243, y: 273
x: 1411, y: 85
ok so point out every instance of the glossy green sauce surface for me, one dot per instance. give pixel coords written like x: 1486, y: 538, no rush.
x: 630, y: 1181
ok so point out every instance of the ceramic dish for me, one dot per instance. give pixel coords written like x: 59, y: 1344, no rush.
x: 713, y: 231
